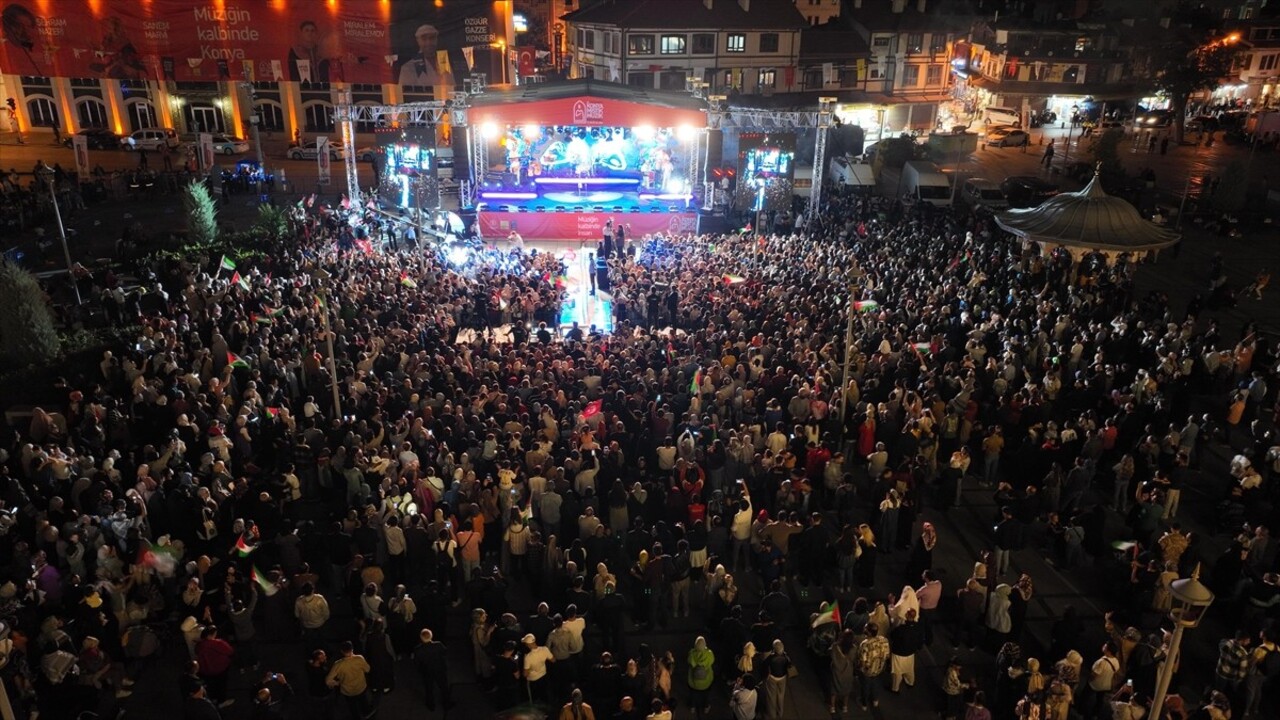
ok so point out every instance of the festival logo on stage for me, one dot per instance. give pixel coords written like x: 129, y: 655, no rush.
x: 586, y: 112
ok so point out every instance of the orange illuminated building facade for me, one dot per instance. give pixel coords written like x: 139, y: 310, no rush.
x: 214, y: 65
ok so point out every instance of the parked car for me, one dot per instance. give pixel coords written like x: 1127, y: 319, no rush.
x: 1007, y: 137
x: 1156, y: 119
x: 152, y: 139
x: 308, y: 152
x: 981, y: 192
x: 366, y: 154
x: 1027, y: 190
x: 97, y: 139
x: 229, y: 145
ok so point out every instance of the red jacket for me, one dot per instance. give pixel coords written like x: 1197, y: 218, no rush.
x: 214, y: 656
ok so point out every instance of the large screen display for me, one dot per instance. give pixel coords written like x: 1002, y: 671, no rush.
x: 766, y: 168
x: 409, y: 42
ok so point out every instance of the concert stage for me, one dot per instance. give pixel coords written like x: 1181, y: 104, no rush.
x: 581, y: 225
x: 559, y: 162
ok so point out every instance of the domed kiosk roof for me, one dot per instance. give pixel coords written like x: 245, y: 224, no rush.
x: 1088, y: 218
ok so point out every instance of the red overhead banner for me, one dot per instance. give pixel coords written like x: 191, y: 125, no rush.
x: 361, y: 41
x: 587, y: 111
x: 582, y: 226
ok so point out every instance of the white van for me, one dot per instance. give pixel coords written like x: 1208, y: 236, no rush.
x: 995, y: 115
x: 152, y: 139
x: 923, y: 181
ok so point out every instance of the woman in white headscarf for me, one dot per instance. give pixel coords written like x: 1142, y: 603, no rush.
x: 906, y: 602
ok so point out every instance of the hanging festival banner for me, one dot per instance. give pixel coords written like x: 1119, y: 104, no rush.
x: 322, y: 160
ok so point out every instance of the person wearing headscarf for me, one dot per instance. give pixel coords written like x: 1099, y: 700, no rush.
x: 906, y: 603
x: 998, y: 621
x: 701, y: 674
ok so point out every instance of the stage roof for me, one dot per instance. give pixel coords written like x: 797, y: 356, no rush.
x: 592, y: 103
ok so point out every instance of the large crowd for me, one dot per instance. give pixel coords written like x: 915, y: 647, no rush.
x: 383, y: 458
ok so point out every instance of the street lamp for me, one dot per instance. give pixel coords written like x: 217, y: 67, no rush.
x: 1191, y: 600
x: 46, y: 174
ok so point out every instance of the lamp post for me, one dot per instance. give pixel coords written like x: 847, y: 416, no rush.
x: 1071, y: 125
x: 1191, y: 600
x: 47, y: 176
x: 854, y: 288
x: 321, y: 278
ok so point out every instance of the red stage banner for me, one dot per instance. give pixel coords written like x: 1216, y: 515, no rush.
x: 582, y: 226
x: 362, y: 41
x: 585, y: 110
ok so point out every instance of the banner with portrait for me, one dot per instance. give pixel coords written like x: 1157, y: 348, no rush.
x: 322, y: 160
x: 80, y: 145
x: 344, y: 41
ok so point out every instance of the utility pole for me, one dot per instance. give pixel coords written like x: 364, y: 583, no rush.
x: 47, y: 175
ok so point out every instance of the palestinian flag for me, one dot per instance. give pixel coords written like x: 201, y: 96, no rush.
x: 695, y: 387
x: 320, y: 303
x: 407, y: 281
x: 866, y: 306
x: 273, y: 412
x: 827, y: 613
x: 274, y: 312
x: 922, y: 350
x: 260, y: 319
x: 733, y: 279
x: 671, y: 354
x: 238, y: 279
x: 561, y: 279
x: 268, y: 588
x: 243, y: 549
x: 236, y: 361
x: 227, y: 264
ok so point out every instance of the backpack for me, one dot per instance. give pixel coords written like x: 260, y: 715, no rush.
x: 57, y: 665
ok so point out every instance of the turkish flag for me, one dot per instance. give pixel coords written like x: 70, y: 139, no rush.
x: 525, y: 61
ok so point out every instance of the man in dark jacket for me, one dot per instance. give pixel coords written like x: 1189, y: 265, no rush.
x: 430, y: 660
x: 904, y: 642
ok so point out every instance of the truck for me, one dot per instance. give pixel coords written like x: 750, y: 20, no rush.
x: 923, y: 181
x: 845, y: 172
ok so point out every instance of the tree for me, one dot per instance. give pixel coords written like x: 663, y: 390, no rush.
x: 1187, y: 58
x: 26, y: 322
x: 202, y: 213
x: 1229, y: 196
x: 272, y: 223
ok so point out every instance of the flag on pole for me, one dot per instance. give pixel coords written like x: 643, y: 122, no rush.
x: 828, y: 613
x: 733, y: 279
x: 866, y: 306
x: 227, y: 263
x: 243, y: 549
x: 236, y: 361
x: 268, y: 588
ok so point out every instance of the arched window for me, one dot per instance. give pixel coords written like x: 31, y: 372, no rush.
x: 92, y: 113
x: 204, y: 118
x: 142, y: 115
x: 270, y: 116
x: 42, y: 112
x: 319, y: 117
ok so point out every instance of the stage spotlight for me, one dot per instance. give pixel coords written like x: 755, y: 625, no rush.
x: 644, y: 132
x: 458, y: 256
x: 686, y: 133
x: 489, y: 130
